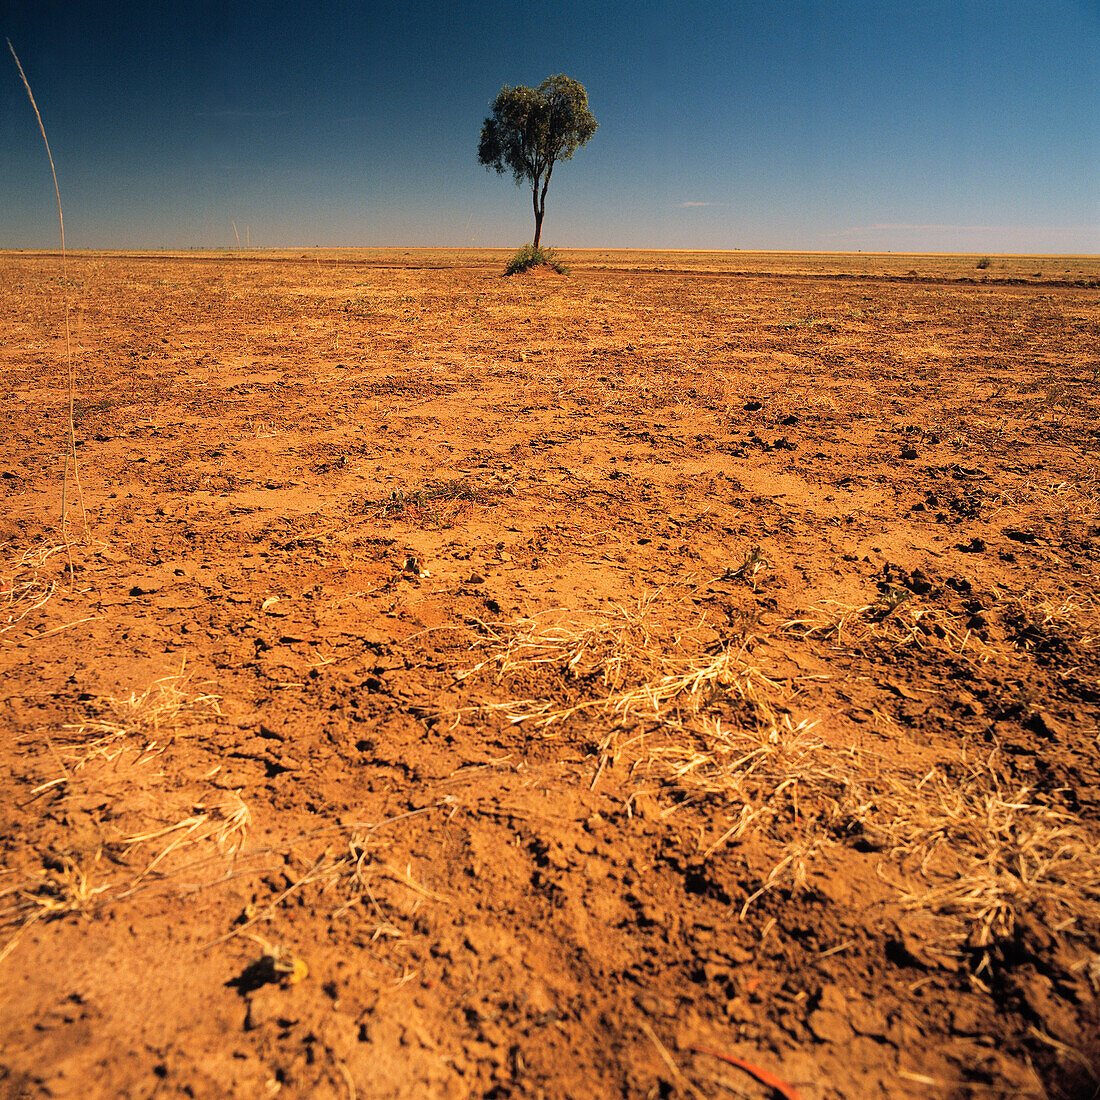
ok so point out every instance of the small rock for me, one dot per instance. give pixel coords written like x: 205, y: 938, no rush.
x: 738, y: 954
x: 1051, y: 1012
x: 1046, y: 725
x: 830, y: 1027
x: 832, y: 1000
x: 974, y: 546
x: 557, y: 858
x: 146, y: 586
x: 651, y: 1005
x: 866, y: 1019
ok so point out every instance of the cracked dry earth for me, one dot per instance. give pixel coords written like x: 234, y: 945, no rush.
x: 465, y: 686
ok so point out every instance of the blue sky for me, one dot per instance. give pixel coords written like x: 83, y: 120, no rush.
x: 906, y: 126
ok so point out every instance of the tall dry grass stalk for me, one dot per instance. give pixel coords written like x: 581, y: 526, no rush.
x: 70, y: 450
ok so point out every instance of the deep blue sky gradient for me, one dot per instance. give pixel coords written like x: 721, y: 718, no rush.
x: 954, y: 125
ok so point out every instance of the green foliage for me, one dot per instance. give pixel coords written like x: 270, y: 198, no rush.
x: 532, y: 256
x: 531, y: 129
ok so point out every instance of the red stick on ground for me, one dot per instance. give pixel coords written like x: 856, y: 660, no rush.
x: 762, y: 1075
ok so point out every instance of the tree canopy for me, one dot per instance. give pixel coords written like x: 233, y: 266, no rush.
x: 531, y: 129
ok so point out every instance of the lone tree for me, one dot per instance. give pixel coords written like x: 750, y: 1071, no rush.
x: 531, y: 129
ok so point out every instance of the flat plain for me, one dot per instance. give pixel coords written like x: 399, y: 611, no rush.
x: 456, y: 685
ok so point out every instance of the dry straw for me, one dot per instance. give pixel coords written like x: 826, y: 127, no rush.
x: 712, y: 729
x: 25, y: 589
x: 141, y: 716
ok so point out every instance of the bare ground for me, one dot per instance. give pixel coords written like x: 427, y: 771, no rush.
x: 466, y: 686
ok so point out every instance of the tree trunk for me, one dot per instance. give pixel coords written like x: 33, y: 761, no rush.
x: 539, y: 211
x: 538, y: 200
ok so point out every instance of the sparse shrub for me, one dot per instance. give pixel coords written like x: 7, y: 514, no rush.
x: 983, y: 263
x: 529, y: 256
x: 419, y: 503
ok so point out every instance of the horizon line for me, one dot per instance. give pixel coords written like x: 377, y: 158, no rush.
x: 234, y: 251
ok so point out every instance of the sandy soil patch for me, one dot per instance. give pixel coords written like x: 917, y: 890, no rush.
x: 468, y: 686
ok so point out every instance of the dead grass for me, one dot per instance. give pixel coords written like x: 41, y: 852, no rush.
x: 356, y: 873
x: 896, y: 618
x: 81, y: 882
x: 987, y: 854
x: 682, y: 691
x: 439, y: 502
x: 27, y: 586
x: 715, y: 728
x: 351, y: 875
x: 62, y: 889
x: 900, y: 620
x: 1041, y: 619
x: 225, y: 822
x: 610, y: 648
x: 142, y: 716
x: 707, y: 727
